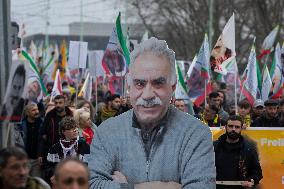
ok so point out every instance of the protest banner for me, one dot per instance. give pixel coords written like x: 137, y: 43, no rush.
x: 270, y: 143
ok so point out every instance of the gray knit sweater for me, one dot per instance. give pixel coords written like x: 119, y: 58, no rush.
x: 182, y: 152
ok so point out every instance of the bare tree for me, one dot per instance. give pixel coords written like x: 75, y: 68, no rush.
x: 183, y: 23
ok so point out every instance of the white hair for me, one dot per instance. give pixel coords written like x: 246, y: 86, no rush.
x: 28, y: 107
x: 158, y: 48
x: 81, y: 114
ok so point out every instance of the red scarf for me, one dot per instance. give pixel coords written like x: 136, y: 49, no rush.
x: 88, y: 134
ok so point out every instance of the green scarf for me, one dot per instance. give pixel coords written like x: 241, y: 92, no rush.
x: 33, y: 183
x: 106, y: 113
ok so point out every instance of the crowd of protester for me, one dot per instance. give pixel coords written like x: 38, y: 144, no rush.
x: 261, y: 113
x: 52, y: 131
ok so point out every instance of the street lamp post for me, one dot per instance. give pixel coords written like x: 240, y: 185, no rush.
x: 5, y: 57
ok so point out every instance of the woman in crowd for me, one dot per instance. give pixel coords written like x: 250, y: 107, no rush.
x: 69, y: 145
x: 86, y: 127
x: 81, y: 102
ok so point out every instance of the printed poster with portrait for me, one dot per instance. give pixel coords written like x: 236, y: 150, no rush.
x: 33, y: 91
x: 277, y: 77
x: 113, y: 60
x: 116, y: 85
x: 13, y: 105
x: 224, y: 49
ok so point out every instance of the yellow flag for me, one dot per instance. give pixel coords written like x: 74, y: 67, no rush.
x: 61, y: 63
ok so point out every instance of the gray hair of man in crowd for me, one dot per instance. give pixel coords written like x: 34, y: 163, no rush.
x: 158, y: 48
x: 28, y: 107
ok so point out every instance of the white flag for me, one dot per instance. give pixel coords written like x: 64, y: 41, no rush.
x: 40, y: 50
x: 86, y: 90
x: 33, y: 50
x: 266, y: 84
x: 180, y: 92
x: 192, y: 65
x: 269, y: 40
x: 224, y: 49
x: 229, y: 34
x: 276, y: 70
x: 145, y: 36
x: 57, y: 86
x: 250, y: 85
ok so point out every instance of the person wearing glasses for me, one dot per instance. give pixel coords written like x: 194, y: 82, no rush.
x: 71, y: 173
x: 69, y: 145
x: 236, y: 158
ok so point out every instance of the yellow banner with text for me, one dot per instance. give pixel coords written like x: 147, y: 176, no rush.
x: 270, y: 142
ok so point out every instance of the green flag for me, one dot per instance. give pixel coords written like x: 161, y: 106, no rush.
x: 121, y: 40
x: 35, y: 69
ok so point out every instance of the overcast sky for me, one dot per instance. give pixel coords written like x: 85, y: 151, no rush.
x: 32, y: 13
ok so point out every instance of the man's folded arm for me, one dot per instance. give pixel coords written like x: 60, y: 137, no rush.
x: 101, y: 165
x: 198, y: 164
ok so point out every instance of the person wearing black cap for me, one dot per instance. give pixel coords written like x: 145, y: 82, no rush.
x: 269, y: 118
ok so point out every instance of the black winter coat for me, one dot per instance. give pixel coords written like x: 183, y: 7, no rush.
x: 241, y: 158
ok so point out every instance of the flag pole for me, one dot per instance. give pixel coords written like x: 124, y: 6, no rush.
x: 236, y: 101
x: 46, y: 27
x: 81, y: 39
x: 205, y: 91
x: 242, y: 89
x: 96, y: 88
x: 122, y: 85
x: 210, y: 23
x: 78, y: 77
x: 8, y: 126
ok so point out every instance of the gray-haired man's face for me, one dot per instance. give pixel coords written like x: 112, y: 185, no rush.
x: 150, y: 87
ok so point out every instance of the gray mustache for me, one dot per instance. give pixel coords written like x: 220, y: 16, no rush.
x: 149, y: 103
